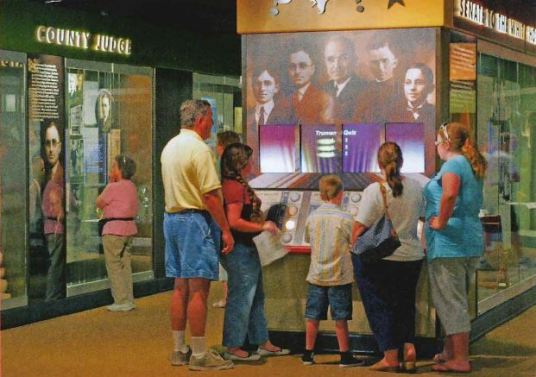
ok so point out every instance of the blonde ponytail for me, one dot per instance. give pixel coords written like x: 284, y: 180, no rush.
x: 477, y: 161
x: 459, y: 136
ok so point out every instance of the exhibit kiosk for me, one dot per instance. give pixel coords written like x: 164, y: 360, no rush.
x: 326, y: 83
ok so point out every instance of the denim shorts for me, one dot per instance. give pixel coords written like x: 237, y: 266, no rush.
x: 338, y: 298
x: 192, y: 245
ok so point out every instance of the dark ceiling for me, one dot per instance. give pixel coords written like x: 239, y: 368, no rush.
x: 195, y: 15
x: 220, y: 15
x: 521, y: 10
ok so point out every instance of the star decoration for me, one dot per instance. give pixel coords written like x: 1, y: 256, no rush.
x: 393, y: 2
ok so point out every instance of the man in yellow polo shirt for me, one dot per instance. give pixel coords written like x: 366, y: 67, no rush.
x: 192, y: 222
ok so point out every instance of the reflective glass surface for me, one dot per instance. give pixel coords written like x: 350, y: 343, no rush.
x: 507, y: 137
x: 13, y: 182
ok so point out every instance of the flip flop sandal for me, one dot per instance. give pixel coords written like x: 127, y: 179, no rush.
x: 447, y: 369
x: 281, y: 352
x: 439, y: 358
x: 408, y: 367
x: 250, y: 357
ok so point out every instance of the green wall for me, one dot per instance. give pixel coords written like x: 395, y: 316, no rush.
x: 152, y: 46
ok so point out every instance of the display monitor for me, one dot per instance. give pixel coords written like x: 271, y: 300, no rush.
x: 278, y: 146
x: 410, y: 138
x: 320, y: 149
x: 360, y: 143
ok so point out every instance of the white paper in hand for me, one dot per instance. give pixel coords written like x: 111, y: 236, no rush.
x: 269, y: 247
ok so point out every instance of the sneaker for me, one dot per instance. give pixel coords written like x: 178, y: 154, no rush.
x: 308, y: 358
x: 179, y: 358
x: 348, y: 360
x: 121, y: 307
x: 210, y: 360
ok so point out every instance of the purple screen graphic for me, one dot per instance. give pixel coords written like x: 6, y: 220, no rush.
x: 410, y: 138
x: 277, y: 148
x: 360, y: 146
x: 321, y: 149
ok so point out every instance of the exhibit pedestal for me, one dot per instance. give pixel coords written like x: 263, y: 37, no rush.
x: 285, y: 292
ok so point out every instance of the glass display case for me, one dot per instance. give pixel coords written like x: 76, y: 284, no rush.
x: 14, y: 189
x: 507, y: 137
x: 224, y: 95
x: 108, y: 111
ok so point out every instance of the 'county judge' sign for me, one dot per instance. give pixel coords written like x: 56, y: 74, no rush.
x: 83, y: 40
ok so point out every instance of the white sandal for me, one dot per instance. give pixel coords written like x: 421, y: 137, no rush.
x: 281, y: 352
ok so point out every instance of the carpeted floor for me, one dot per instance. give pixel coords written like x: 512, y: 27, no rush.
x: 97, y: 343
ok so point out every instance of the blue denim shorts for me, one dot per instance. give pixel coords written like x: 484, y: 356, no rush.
x: 192, y: 245
x: 338, y: 298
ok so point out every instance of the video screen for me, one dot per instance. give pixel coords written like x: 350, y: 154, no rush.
x: 277, y: 148
x: 410, y: 138
x: 320, y: 149
x: 360, y: 144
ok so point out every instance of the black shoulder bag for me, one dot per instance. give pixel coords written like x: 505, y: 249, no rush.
x: 380, y: 240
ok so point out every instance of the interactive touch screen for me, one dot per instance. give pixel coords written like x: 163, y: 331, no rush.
x: 360, y: 145
x: 277, y: 148
x: 410, y: 138
x: 321, y: 149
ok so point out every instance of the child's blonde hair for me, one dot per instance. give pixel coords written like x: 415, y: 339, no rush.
x: 330, y: 186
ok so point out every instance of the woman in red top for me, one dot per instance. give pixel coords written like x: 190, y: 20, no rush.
x: 119, y: 201
x: 244, y: 313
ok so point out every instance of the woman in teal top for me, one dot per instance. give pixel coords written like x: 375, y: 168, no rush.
x: 454, y: 239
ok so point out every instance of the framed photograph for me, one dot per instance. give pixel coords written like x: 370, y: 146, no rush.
x: 75, y: 119
x: 76, y: 159
x: 10, y: 103
x: 90, y: 91
x: 94, y: 158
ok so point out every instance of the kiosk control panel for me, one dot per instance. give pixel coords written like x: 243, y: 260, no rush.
x: 293, y: 200
x: 299, y: 205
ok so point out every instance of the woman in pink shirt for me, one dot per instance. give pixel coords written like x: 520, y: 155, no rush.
x: 119, y: 201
